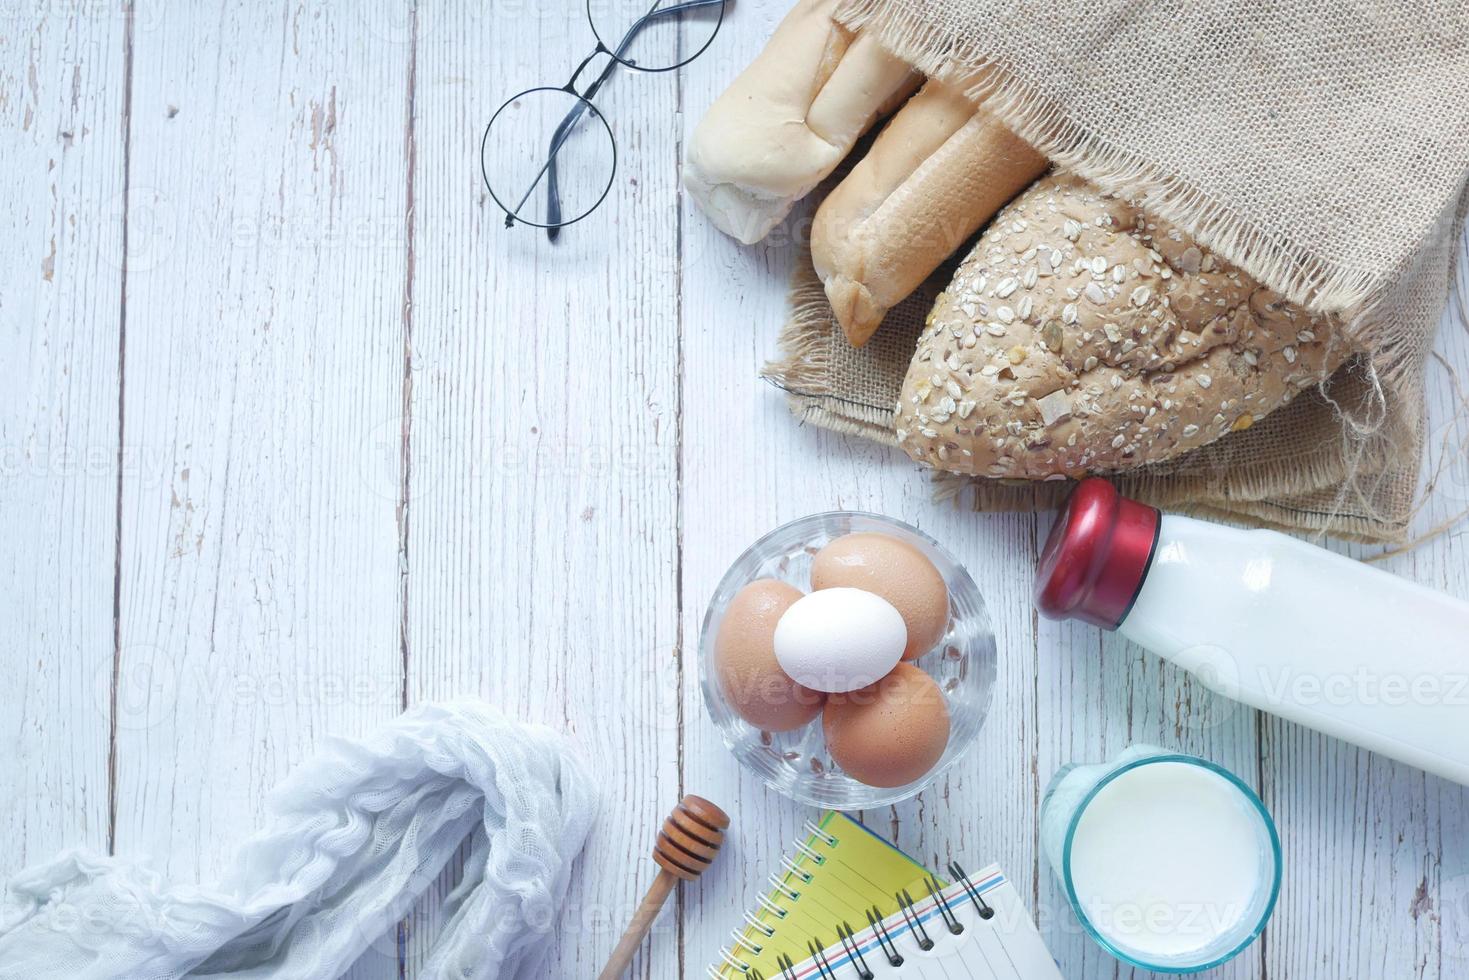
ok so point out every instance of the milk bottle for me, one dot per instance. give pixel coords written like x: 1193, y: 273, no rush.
x: 1271, y: 621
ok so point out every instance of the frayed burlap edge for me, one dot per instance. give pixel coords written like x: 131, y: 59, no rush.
x: 801, y: 370
x: 1302, y: 277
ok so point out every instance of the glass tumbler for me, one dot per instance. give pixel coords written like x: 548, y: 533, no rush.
x: 1170, y: 862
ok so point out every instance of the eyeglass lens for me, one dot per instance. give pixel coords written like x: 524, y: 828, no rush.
x: 548, y: 157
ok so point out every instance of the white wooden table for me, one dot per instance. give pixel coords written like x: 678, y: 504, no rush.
x: 294, y: 433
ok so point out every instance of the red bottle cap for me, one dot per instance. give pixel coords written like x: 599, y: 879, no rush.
x: 1097, y: 556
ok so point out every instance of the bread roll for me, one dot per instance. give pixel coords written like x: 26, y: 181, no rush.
x: 937, y: 172
x: 1082, y: 336
x: 789, y: 119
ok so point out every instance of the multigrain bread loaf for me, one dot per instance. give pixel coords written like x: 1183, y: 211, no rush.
x: 935, y: 174
x: 789, y: 118
x: 1082, y: 336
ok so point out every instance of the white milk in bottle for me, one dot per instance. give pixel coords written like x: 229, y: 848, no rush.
x: 1274, y: 622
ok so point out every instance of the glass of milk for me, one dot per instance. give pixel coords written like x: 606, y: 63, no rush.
x: 1169, y: 861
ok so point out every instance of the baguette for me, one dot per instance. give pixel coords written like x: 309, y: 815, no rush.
x: 1082, y: 336
x: 936, y: 173
x: 789, y: 118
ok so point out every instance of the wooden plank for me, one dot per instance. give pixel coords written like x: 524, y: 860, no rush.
x: 543, y: 554
x: 1375, y: 884
x: 61, y: 136
x: 264, y: 446
x: 265, y: 353
x: 1445, y: 564
x: 747, y: 467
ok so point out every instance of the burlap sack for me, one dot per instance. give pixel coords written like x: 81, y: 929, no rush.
x: 1323, y: 147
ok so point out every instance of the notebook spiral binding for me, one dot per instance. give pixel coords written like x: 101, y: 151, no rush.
x: 856, y: 964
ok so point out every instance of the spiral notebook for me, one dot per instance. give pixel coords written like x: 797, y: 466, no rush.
x: 847, y: 904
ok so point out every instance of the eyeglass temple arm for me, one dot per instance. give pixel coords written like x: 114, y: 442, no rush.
x: 553, y: 195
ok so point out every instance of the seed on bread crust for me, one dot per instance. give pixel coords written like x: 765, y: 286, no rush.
x: 1135, y: 344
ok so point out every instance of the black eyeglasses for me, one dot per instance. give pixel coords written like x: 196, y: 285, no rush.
x: 548, y: 155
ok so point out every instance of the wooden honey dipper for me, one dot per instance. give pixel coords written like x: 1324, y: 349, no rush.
x: 686, y: 845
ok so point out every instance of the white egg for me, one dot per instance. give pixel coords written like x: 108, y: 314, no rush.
x: 838, y: 640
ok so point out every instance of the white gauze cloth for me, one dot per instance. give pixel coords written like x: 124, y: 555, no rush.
x: 357, y: 834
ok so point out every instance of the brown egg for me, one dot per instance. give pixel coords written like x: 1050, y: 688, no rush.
x: 890, y: 733
x: 895, y: 570
x: 744, y: 659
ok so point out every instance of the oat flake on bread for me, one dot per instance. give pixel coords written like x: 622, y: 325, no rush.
x: 1082, y: 336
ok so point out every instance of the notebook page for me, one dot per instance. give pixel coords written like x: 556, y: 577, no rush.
x: 1005, y: 946
x: 860, y: 870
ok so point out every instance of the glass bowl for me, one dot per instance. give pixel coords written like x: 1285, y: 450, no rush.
x: 797, y: 763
